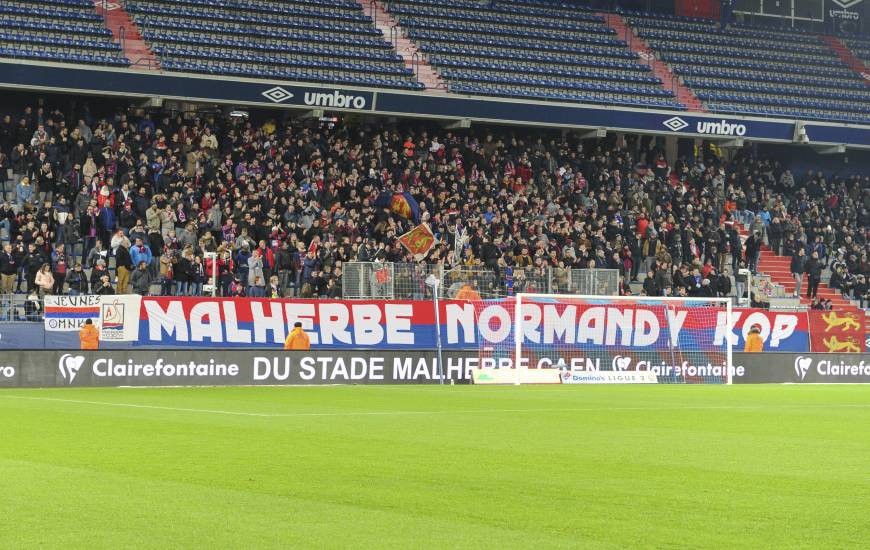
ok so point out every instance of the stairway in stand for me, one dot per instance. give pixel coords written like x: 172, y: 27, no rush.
x: 404, y: 46
x: 847, y: 57
x: 778, y: 268
x: 659, y: 68
x: 126, y: 33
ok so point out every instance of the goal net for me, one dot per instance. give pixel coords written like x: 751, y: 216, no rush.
x: 595, y: 339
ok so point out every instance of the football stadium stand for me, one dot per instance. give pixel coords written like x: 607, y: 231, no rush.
x: 758, y: 71
x: 303, y: 40
x: 623, y: 207
x: 519, y: 49
x: 69, y: 31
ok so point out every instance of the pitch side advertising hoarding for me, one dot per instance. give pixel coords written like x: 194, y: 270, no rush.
x: 808, y: 368
x: 228, y: 368
x: 142, y: 368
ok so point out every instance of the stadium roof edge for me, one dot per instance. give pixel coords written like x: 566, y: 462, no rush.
x: 89, y: 80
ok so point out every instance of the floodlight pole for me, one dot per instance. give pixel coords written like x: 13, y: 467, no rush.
x: 432, y: 282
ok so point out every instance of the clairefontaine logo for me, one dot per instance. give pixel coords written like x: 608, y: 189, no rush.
x: 675, y: 124
x: 69, y: 366
x: 802, y: 366
x: 277, y: 94
x: 621, y: 363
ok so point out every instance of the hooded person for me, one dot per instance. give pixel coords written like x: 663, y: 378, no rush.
x: 754, y: 343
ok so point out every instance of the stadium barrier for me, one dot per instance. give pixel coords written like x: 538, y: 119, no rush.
x: 406, y: 281
x: 143, y: 368
x: 161, y: 322
x: 243, y: 323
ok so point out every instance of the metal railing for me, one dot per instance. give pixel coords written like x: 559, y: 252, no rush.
x: 407, y: 281
x: 21, y: 308
x: 415, y: 65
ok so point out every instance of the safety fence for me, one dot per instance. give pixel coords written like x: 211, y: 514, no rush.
x: 408, y: 281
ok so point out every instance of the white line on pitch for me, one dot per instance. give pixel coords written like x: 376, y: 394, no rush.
x: 442, y: 412
x: 135, y: 406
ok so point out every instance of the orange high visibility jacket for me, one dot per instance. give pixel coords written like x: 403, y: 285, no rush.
x: 297, y: 339
x: 754, y: 342
x: 89, y: 337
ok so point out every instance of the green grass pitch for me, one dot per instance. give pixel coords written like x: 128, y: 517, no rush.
x: 432, y: 467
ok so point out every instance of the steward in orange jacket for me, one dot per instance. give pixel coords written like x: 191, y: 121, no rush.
x: 754, y: 343
x: 297, y: 339
x: 89, y: 337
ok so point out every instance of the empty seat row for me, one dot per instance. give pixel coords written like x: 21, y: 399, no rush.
x: 260, y: 32
x: 576, y: 13
x: 713, y: 61
x: 59, y: 42
x: 321, y: 11
x: 603, y: 39
x: 516, y: 44
x: 482, y: 18
x: 452, y: 74
x: 277, y: 47
x: 164, y: 52
x: 65, y: 57
x: 636, y: 76
x: 66, y: 15
x: 475, y: 89
x: 749, y: 87
x: 47, y: 26
x: 765, y: 76
x: 782, y: 100
x: 183, y: 14
x: 223, y: 69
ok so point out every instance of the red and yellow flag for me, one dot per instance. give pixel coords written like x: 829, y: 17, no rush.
x: 419, y: 241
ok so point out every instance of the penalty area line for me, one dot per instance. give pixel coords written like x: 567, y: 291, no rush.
x: 440, y: 412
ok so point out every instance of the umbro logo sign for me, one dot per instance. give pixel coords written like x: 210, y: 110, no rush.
x: 277, y: 94
x: 675, y: 124
x: 710, y: 127
x: 846, y: 4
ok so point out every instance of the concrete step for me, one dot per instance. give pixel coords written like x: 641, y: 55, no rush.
x: 404, y: 46
x: 134, y: 46
x: 659, y: 68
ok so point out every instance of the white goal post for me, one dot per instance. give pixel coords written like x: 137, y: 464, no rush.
x: 679, y: 340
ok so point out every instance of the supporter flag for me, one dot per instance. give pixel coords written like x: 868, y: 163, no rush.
x: 403, y: 204
x: 419, y: 241
x: 837, y: 331
x: 69, y: 313
x: 461, y: 238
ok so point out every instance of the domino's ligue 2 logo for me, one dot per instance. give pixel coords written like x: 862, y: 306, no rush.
x: 69, y: 366
x: 802, y: 366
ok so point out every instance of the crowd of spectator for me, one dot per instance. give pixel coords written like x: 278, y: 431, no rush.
x: 156, y: 204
